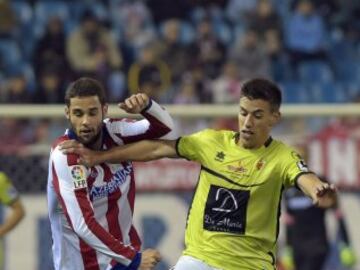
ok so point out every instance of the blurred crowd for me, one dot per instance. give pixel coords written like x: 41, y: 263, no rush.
x: 180, y: 51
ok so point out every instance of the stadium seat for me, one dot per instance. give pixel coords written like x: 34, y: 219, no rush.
x: 10, y: 54
x: 223, y: 32
x: 25, y: 35
x: 328, y: 92
x: 315, y: 72
x: 347, y: 71
x: 78, y: 8
x: 294, y: 92
x: 23, y: 11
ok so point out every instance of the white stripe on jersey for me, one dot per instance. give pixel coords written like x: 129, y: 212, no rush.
x: 69, y: 197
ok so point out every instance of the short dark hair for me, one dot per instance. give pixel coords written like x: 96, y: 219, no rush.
x: 85, y: 87
x: 262, y: 89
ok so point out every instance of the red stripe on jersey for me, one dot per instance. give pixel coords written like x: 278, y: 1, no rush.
x: 111, y: 242
x: 92, y: 177
x: 57, y: 190
x: 88, y: 255
x: 59, y: 140
x: 134, y: 236
x: 156, y: 129
x: 72, y: 159
x: 112, y: 214
x: 131, y: 193
x: 108, y: 141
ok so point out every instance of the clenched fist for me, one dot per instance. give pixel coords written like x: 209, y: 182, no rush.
x: 135, y: 103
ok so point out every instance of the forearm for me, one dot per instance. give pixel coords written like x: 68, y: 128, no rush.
x: 323, y: 194
x: 308, y: 184
x: 141, y: 151
x: 13, y: 219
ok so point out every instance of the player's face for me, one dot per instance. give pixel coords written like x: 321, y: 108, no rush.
x: 85, y: 115
x: 256, y: 120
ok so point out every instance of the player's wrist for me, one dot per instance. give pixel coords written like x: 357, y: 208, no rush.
x: 147, y: 107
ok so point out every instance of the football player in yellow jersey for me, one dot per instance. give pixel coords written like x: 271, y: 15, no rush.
x: 233, y: 220
x: 9, y: 197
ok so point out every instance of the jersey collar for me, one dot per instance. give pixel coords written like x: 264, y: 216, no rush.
x: 266, y: 144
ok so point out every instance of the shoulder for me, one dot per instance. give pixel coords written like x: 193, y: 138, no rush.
x: 285, y: 152
x: 4, y: 179
x: 59, y: 140
x: 210, y: 137
x: 214, y: 133
x: 58, y: 157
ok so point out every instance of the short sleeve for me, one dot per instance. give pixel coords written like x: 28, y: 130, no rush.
x: 194, y: 146
x: 8, y: 193
x: 293, y: 166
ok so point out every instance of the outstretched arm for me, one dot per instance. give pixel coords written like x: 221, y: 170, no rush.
x: 16, y: 215
x: 140, y: 151
x: 323, y: 194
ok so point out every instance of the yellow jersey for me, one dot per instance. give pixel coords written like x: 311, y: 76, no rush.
x: 233, y: 221
x: 8, y: 193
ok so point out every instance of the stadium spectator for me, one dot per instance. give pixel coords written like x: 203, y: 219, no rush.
x: 187, y: 94
x: 163, y: 10
x: 9, y: 197
x: 172, y: 51
x: 91, y: 208
x: 250, y: 56
x: 305, y: 34
x: 264, y: 19
x: 50, y: 50
x: 226, y: 88
x: 8, y: 22
x: 133, y: 19
x: 233, y: 220
x: 207, y: 49
x: 149, y: 73
x: 275, y: 52
x: 16, y: 89
x: 200, y: 81
x: 50, y: 89
x: 91, y: 49
x: 239, y: 11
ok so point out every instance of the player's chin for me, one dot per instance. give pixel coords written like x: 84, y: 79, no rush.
x: 85, y: 140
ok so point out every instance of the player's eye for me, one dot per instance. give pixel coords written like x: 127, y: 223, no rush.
x: 77, y: 113
x: 93, y: 112
x: 243, y: 113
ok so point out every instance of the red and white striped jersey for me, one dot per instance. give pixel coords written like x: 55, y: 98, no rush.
x: 91, y: 209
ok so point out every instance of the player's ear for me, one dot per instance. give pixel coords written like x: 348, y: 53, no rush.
x: 67, y: 112
x: 105, y: 109
x: 275, y: 117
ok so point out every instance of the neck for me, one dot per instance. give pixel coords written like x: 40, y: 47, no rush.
x: 96, y: 143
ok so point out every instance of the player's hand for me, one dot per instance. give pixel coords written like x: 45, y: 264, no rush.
x: 325, y: 195
x: 135, y: 103
x: 149, y: 259
x: 87, y: 156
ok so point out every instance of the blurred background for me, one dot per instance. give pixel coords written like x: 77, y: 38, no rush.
x: 191, y: 55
